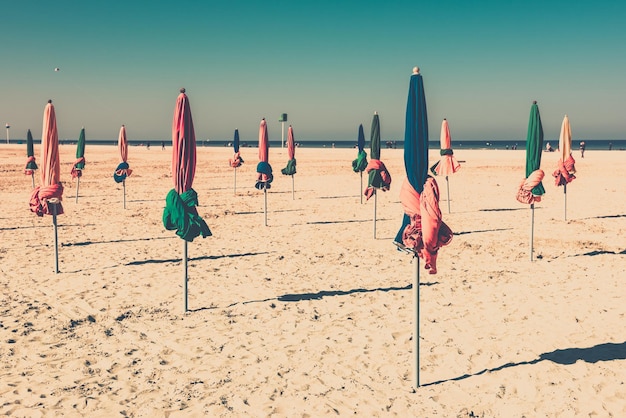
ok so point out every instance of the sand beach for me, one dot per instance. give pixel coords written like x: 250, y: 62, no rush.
x: 311, y: 315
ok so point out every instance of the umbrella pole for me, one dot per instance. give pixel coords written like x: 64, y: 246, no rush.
x: 77, y: 187
x: 293, y: 193
x: 375, y: 202
x: 361, y: 189
x: 32, y: 176
x: 265, y: 207
x: 235, y: 188
x: 532, y: 228
x: 416, y: 352
x: 185, y: 274
x: 56, y: 236
x: 124, y: 187
x: 448, y: 189
x: 565, y: 200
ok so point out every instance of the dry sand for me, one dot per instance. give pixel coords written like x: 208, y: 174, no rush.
x: 312, y: 316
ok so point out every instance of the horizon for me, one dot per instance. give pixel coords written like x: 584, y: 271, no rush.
x: 328, y: 65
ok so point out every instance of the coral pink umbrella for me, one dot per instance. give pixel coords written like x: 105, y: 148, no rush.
x: 180, y: 212
x: 123, y: 169
x: 263, y: 168
x: 447, y: 164
x: 565, y: 170
x: 46, y: 199
x: 290, y: 169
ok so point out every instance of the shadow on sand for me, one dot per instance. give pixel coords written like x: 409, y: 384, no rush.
x: 600, y: 352
x: 204, y: 257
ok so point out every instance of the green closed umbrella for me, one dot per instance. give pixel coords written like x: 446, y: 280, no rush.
x: 79, y: 164
x: 531, y: 189
x: 31, y: 165
x: 379, y: 177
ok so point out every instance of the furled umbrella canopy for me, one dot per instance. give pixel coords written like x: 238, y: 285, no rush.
x: 423, y: 230
x: 180, y: 213
x: 290, y: 169
x: 566, y: 169
x: 263, y: 168
x: 31, y: 165
x: 236, y: 161
x: 531, y: 188
x: 123, y: 169
x: 51, y: 187
x: 360, y: 163
x: 379, y: 177
x: 447, y: 164
x: 79, y: 164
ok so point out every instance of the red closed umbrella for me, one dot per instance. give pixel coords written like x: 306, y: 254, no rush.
x: 46, y: 198
x: 447, y: 164
x: 263, y: 168
x: 123, y: 169
x: 180, y: 212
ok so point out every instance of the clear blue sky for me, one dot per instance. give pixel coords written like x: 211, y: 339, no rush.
x: 328, y: 64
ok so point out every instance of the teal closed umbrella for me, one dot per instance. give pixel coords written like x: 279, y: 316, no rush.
x: 531, y: 189
x: 359, y: 165
x: 79, y: 164
x: 31, y: 165
x: 378, y: 176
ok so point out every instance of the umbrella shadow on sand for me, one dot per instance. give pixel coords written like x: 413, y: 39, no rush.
x: 599, y: 252
x: 595, y: 354
x: 204, y: 257
x: 481, y: 230
x: 115, y: 241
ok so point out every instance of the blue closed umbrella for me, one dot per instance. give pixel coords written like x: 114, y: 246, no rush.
x: 360, y: 164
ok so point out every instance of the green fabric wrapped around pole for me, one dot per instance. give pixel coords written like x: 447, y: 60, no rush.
x: 374, y: 179
x: 30, y: 152
x: 290, y: 169
x: 534, y: 146
x: 180, y: 214
x: 360, y: 164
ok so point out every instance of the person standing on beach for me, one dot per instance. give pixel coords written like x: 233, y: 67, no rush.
x: 582, y: 149
x: 162, y: 145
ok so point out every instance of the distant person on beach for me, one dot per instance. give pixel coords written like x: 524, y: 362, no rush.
x: 148, y: 145
x: 610, y: 146
x: 162, y: 144
x: 582, y: 149
x: 549, y: 147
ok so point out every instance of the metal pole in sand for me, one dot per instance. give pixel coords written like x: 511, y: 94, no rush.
x: 124, y: 187
x: 565, y: 200
x: 416, y: 352
x: 77, y: 187
x: 293, y: 193
x: 235, y: 188
x: 532, y: 228
x: 185, y: 275
x: 375, y: 201
x: 53, y: 203
x: 361, y: 189
x: 448, y: 188
x: 265, y: 207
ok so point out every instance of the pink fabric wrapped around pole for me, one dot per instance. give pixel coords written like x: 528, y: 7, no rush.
x: 122, y: 144
x: 184, y: 145
x: 263, y: 142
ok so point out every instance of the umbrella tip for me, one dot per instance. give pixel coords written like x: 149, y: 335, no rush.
x: 416, y: 70
x: 182, y: 90
x: 375, y: 112
x: 534, y: 101
x: 49, y: 100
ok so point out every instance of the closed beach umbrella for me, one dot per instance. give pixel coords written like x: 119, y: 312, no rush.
x: 263, y: 168
x: 79, y: 164
x: 123, y: 169
x: 360, y: 164
x: 236, y: 161
x: 290, y: 169
x: 531, y: 189
x: 565, y: 170
x: 46, y: 198
x: 447, y: 164
x: 180, y: 213
x: 31, y: 165
x: 379, y: 177
x: 423, y: 231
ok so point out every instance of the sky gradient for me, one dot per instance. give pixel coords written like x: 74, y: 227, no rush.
x: 327, y: 64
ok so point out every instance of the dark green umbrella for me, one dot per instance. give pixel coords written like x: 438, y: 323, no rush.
x: 531, y: 189
x: 31, y: 165
x: 79, y: 164
x: 379, y: 177
x: 360, y: 164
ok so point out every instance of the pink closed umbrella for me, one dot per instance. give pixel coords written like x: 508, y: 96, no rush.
x: 263, y: 168
x: 180, y: 212
x: 566, y: 169
x: 447, y: 164
x: 123, y: 169
x: 46, y: 198
x: 290, y: 169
